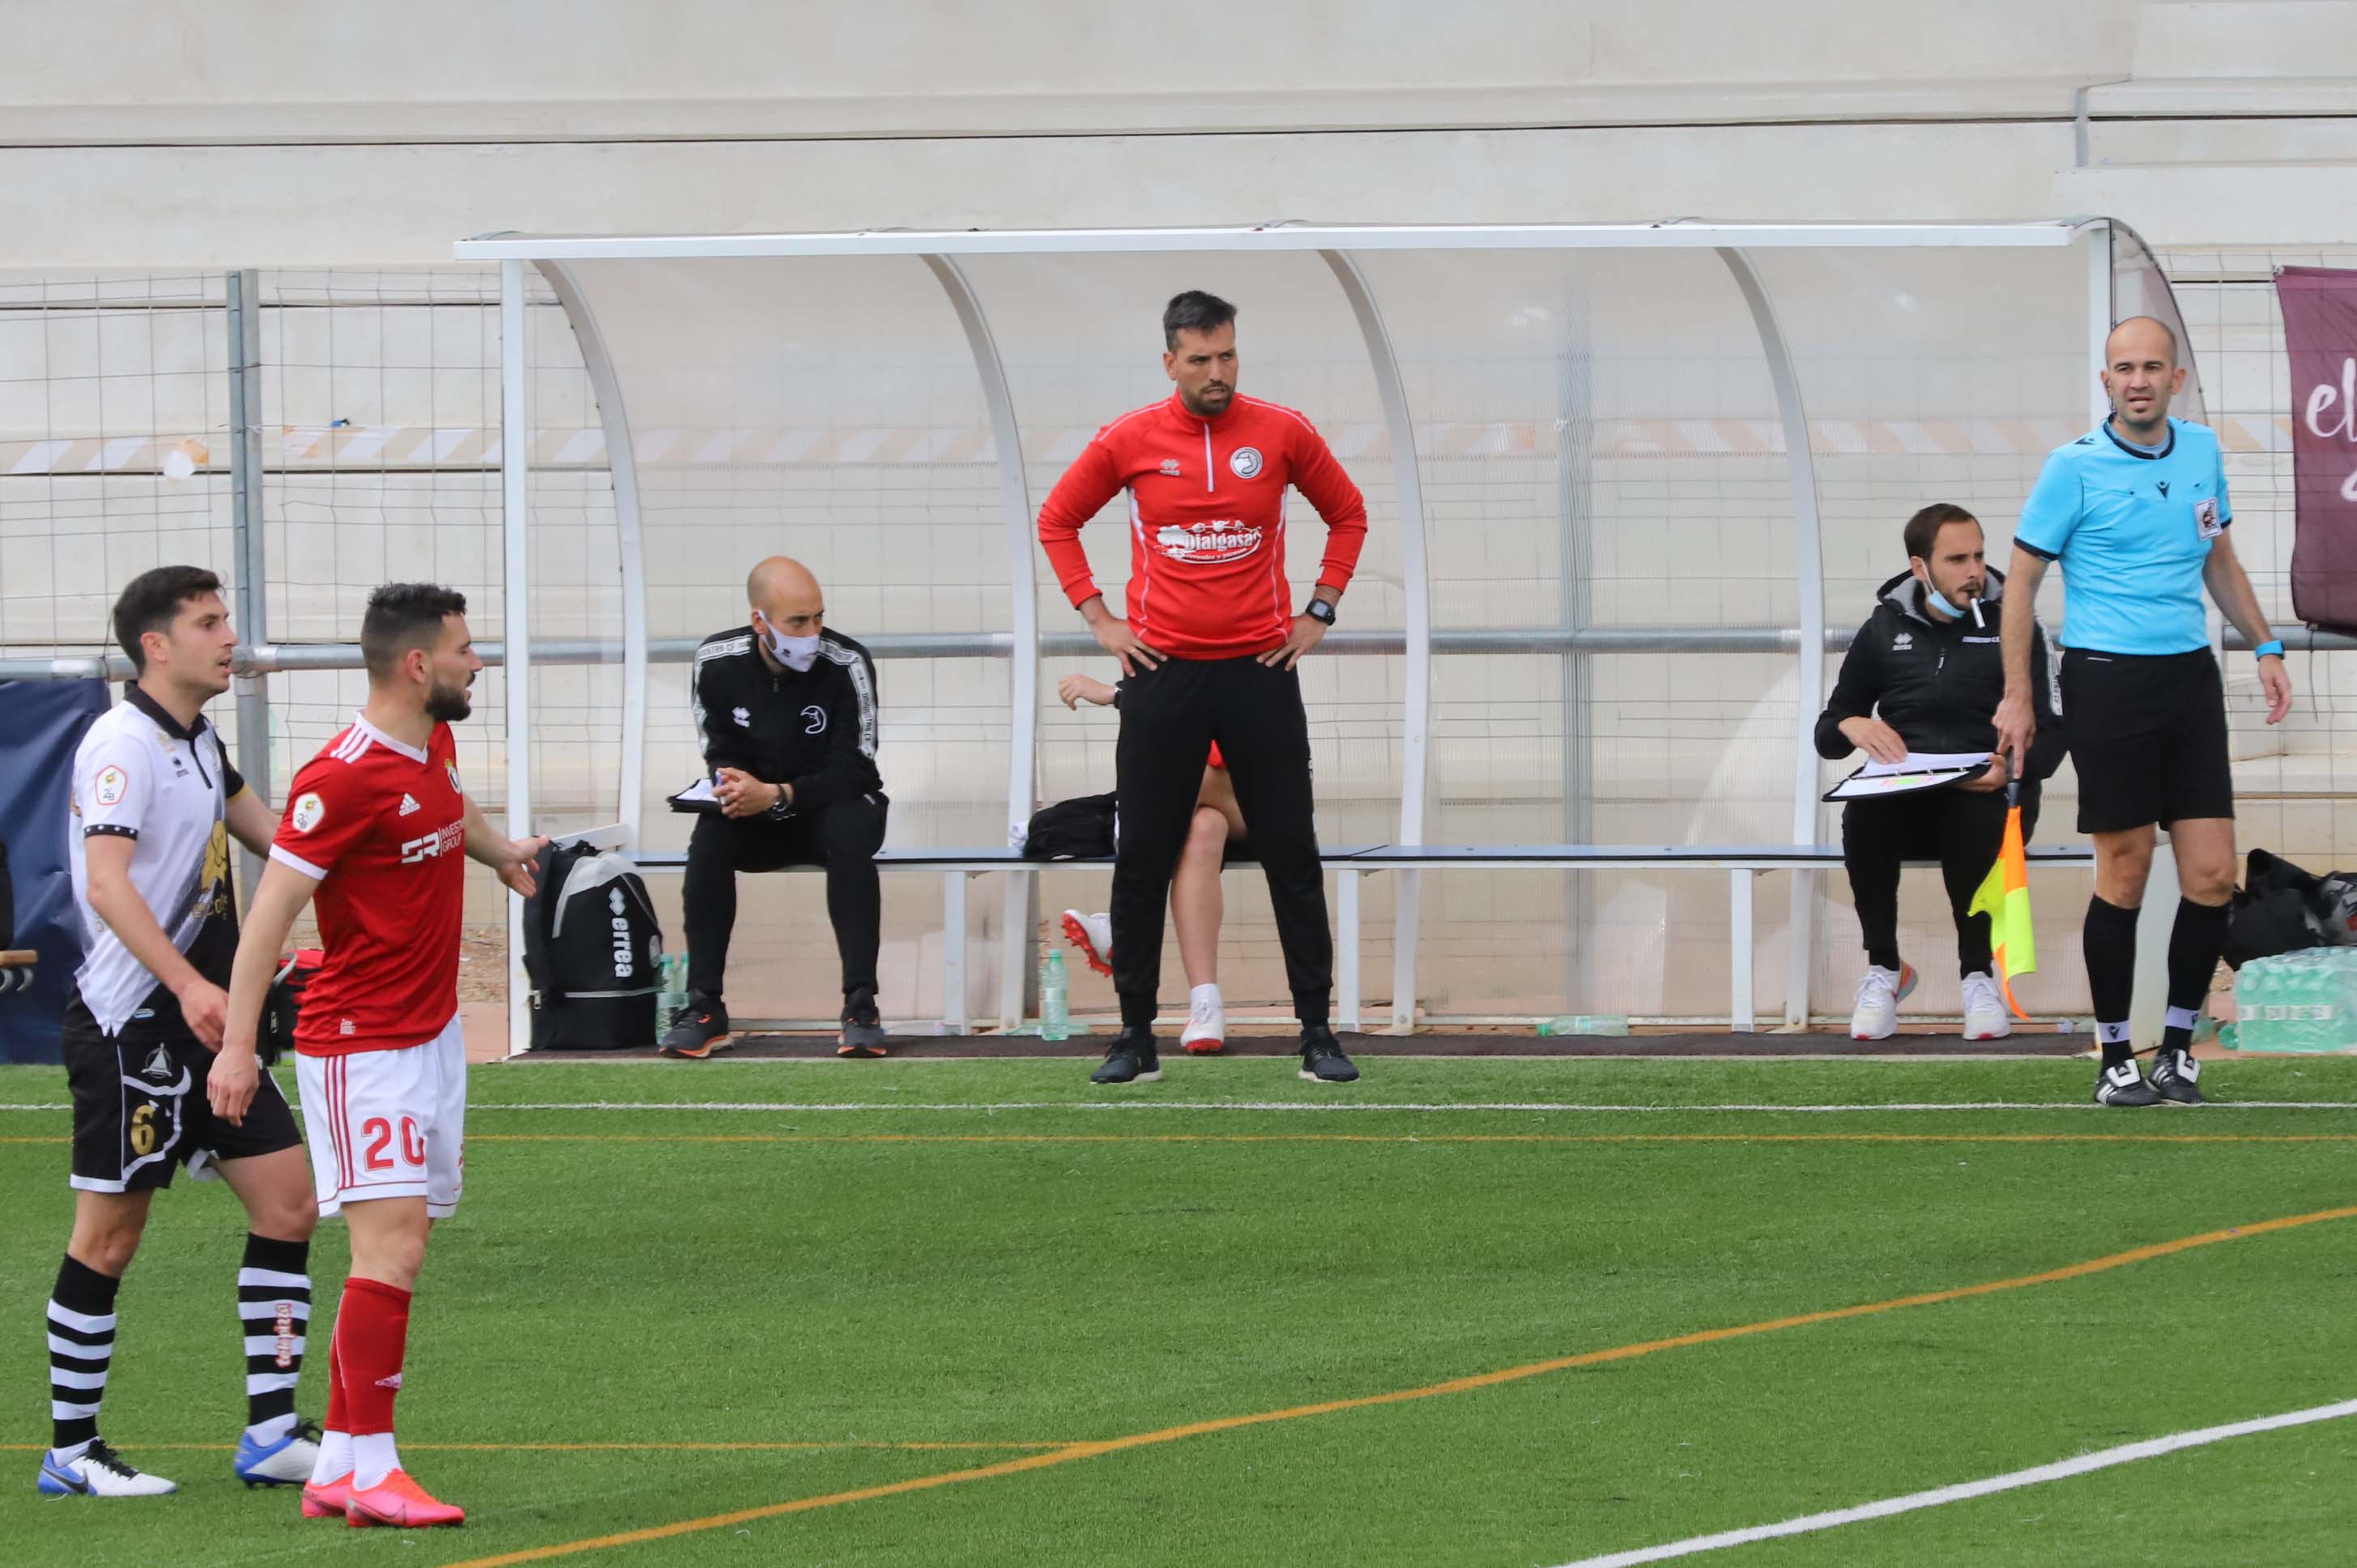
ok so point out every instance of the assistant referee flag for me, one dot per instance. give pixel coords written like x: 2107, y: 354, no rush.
x: 2004, y: 896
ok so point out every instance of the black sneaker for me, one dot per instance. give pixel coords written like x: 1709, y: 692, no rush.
x: 1322, y: 1061
x: 2174, y: 1077
x: 863, y: 1031
x: 701, y: 1031
x: 1132, y: 1058
x: 2124, y: 1085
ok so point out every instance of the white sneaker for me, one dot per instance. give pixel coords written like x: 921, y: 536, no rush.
x: 1207, y: 1022
x: 1985, y: 1014
x: 1093, y: 934
x: 1879, y: 996
x: 101, y: 1472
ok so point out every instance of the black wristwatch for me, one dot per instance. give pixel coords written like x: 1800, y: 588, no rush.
x: 1320, y: 611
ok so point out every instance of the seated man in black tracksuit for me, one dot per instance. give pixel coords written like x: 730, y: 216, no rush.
x: 786, y: 712
x: 1923, y: 676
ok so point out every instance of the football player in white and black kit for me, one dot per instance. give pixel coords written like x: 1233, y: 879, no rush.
x: 155, y: 802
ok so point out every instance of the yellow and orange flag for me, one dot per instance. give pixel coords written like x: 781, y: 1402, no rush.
x: 2004, y: 896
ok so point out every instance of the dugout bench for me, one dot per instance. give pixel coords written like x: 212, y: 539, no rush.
x: 1741, y: 863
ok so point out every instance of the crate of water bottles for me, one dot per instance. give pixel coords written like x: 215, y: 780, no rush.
x: 2298, y: 1002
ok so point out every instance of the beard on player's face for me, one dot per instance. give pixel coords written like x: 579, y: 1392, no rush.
x: 449, y: 704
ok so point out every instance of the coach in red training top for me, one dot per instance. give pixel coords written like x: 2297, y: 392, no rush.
x: 1209, y: 647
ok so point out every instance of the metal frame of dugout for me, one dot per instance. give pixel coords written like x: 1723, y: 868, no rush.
x: 1338, y: 246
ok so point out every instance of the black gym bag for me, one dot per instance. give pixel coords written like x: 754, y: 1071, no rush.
x: 592, y: 950
x: 1078, y: 828
x: 2280, y: 909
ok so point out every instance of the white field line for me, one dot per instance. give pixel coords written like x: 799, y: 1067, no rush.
x: 2102, y: 1459
x: 986, y: 1107
x: 1288, y: 1105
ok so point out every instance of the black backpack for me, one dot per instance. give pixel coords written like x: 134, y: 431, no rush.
x: 592, y: 950
x: 1078, y: 828
x: 2281, y: 908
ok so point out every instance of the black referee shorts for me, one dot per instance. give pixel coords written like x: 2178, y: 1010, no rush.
x: 2148, y: 737
x: 140, y: 1111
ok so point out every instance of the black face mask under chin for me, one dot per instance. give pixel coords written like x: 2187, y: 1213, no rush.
x: 449, y: 704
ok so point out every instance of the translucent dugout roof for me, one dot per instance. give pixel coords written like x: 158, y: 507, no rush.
x: 1623, y: 480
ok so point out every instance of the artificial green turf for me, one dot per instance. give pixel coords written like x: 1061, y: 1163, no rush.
x: 623, y: 1277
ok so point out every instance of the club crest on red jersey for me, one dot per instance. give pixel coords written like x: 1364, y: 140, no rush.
x: 1208, y: 543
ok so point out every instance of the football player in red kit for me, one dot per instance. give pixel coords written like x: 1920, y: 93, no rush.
x: 374, y: 827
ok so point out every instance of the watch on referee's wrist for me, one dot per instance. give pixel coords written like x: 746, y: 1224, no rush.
x: 2273, y: 645
x: 784, y: 805
x: 1319, y: 610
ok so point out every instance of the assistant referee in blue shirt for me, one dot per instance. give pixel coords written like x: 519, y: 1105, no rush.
x: 2136, y: 513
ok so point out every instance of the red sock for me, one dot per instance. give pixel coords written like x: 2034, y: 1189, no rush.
x: 372, y: 1340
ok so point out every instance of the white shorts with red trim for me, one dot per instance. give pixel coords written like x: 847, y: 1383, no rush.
x: 388, y: 1124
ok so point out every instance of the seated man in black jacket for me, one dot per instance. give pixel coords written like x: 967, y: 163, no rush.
x: 787, y: 713
x: 1923, y: 676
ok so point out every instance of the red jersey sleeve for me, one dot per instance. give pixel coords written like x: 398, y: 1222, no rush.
x: 1093, y: 480
x: 327, y: 812
x: 1319, y: 475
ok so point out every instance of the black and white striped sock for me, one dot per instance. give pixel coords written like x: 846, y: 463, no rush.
x: 81, y: 1345
x: 273, y: 1309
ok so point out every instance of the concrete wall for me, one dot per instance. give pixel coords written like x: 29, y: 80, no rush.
x: 145, y: 136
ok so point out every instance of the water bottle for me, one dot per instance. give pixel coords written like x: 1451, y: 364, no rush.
x: 671, y: 1000
x: 1584, y: 1024
x: 1055, y: 1011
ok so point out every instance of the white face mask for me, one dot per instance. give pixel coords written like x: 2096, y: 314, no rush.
x: 796, y: 653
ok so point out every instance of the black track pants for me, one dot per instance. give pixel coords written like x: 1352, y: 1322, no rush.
x: 1169, y: 716
x: 844, y: 838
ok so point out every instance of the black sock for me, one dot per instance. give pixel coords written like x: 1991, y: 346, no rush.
x: 2195, y: 942
x: 81, y: 1345
x: 1137, y: 1013
x: 274, y: 1310
x: 2109, y: 940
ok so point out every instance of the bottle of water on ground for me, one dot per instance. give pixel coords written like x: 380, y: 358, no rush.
x: 671, y: 1001
x: 1584, y: 1024
x: 1055, y: 1009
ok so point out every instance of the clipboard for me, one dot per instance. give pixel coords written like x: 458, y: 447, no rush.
x: 1917, y: 772
x: 697, y: 799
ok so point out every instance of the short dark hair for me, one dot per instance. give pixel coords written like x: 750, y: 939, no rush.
x: 1194, y: 311
x: 1923, y: 529
x: 152, y: 601
x: 403, y: 616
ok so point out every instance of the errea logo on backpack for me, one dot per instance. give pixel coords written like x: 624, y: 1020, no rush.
x: 624, y: 967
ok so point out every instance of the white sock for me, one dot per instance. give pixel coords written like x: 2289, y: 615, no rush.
x: 71, y: 1454
x: 1205, y: 996
x: 335, y: 1459
x: 269, y: 1432
x: 373, y: 1459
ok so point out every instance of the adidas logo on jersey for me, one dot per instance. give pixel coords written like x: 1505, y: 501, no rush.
x: 409, y: 805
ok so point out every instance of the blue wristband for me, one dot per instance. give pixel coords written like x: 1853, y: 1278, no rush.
x: 2273, y: 645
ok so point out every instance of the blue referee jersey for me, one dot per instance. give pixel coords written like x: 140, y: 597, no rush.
x: 2131, y: 527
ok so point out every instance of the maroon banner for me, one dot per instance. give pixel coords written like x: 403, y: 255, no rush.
x: 2320, y: 313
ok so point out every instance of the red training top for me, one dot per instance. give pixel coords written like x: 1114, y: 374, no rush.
x: 1207, y: 521
x: 383, y: 829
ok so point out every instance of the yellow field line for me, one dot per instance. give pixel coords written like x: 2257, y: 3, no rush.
x: 1092, y: 1450
x: 584, y: 1447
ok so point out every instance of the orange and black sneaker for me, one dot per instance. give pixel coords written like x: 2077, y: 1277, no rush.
x: 863, y: 1027
x: 701, y: 1031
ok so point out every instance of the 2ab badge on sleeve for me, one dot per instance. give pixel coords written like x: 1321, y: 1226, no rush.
x: 109, y: 786
x: 309, y: 812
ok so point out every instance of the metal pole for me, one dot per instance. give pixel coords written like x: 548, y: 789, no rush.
x: 1019, y: 912
x: 515, y: 529
x: 249, y: 556
x: 1809, y: 581
x: 622, y: 468
x: 1416, y: 710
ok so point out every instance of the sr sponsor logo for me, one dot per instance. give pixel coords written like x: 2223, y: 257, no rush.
x: 430, y: 845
